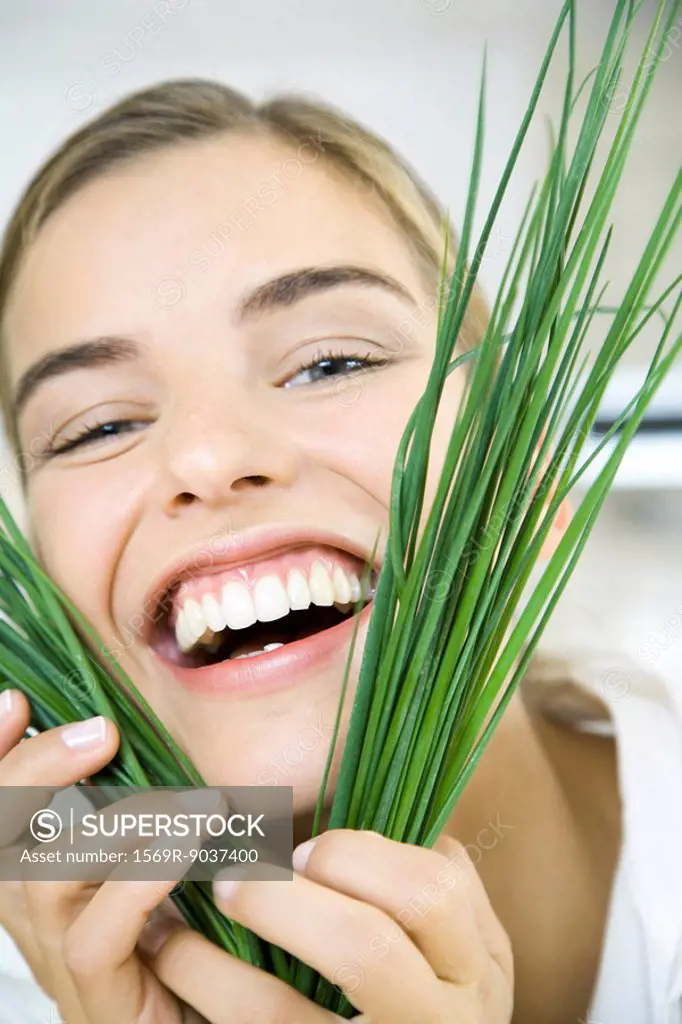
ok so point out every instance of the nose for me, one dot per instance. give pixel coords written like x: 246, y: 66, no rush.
x: 219, y: 450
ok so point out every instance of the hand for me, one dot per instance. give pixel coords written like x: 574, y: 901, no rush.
x: 80, y: 938
x: 407, y: 933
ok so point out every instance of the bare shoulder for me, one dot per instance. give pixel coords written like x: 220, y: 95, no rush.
x: 585, y: 765
x: 572, y: 727
x: 554, y: 788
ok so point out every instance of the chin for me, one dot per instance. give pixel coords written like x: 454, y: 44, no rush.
x: 290, y: 751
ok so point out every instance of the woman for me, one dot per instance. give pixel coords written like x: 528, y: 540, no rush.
x: 216, y: 319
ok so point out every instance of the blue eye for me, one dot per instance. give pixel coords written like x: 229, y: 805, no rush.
x: 92, y: 433
x: 332, y: 364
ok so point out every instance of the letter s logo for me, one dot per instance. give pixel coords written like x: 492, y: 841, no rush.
x: 46, y: 826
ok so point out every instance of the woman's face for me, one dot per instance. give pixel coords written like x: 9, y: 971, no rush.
x: 255, y: 332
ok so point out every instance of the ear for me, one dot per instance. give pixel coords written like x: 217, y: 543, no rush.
x: 562, y: 518
x: 557, y: 529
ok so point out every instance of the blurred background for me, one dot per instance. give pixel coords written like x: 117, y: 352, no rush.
x: 410, y: 69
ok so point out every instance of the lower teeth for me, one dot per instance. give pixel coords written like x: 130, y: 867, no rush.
x: 254, y: 654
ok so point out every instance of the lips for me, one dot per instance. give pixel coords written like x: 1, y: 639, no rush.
x: 292, y: 599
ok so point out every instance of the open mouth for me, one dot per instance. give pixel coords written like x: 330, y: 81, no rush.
x: 251, y: 611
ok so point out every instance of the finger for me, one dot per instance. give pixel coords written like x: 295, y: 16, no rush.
x: 427, y: 894
x: 61, y: 756
x: 103, y: 961
x: 102, y: 975
x: 15, y: 715
x: 56, y: 981
x: 14, y: 918
x: 54, y: 904
x: 495, y: 938
x: 54, y: 908
x: 353, y: 944
x: 222, y: 988
x: 108, y: 844
x: 47, y: 762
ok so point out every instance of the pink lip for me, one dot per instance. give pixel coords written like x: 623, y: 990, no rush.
x: 271, y: 672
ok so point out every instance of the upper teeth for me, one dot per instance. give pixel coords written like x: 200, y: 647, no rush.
x: 238, y: 607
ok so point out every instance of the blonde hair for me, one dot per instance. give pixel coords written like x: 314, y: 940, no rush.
x: 183, y: 111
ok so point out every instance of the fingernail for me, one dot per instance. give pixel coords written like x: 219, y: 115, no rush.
x: 224, y: 888
x: 6, y: 703
x: 82, y: 735
x: 300, y: 856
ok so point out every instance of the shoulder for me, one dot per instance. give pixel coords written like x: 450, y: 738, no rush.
x: 564, y: 696
x: 556, y: 788
x: 606, y: 694
x: 608, y: 723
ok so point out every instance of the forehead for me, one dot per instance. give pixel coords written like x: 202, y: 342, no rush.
x: 204, y: 221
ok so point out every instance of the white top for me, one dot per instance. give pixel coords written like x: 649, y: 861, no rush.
x: 640, y: 975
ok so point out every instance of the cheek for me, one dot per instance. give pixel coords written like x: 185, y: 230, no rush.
x: 359, y: 431
x: 372, y: 430
x: 78, y: 529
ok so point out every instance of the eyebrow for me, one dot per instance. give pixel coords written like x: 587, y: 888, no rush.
x: 82, y: 355
x: 287, y: 289
x: 281, y: 291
